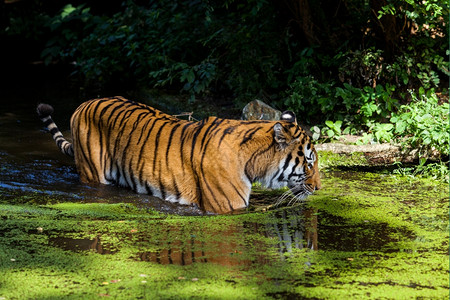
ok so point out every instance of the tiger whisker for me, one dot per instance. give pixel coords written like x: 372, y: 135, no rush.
x: 284, y: 197
x: 295, y: 195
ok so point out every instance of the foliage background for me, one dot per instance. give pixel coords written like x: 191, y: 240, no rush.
x: 350, y: 63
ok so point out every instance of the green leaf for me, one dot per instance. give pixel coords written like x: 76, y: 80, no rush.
x: 67, y: 10
x: 316, y: 136
x: 400, y: 126
x: 330, y: 133
x: 187, y: 75
x: 329, y: 123
x: 316, y: 129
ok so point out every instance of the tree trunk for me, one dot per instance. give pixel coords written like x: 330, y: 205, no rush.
x: 385, y: 29
x: 378, y: 154
x: 301, y: 14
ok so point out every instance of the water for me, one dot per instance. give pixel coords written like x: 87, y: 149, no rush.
x: 360, y: 223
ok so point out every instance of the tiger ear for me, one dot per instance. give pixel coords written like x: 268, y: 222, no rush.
x: 281, y: 135
x: 289, y: 116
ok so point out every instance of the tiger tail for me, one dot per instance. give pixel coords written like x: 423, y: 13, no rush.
x: 44, y: 111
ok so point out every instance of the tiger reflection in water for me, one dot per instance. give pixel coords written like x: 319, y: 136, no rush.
x: 184, y: 244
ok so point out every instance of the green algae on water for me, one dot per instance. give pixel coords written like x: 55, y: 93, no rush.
x: 374, y: 236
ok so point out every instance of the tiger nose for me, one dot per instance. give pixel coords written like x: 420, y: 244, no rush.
x: 315, y: 186
x: 318, y: 185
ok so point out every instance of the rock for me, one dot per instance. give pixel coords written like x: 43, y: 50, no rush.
x: 258, y: 110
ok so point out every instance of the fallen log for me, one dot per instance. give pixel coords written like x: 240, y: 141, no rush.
x: 376, y: 154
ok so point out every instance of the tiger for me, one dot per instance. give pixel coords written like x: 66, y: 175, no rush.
x: 210, y: 164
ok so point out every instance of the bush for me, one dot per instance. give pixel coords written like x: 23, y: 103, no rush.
x: 192, y: 46
x: 311, y: 98
x: 360, y: 108
x: 356, y: 69
x: 423, y: 124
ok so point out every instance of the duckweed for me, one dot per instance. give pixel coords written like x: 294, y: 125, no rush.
x: 364, y: 235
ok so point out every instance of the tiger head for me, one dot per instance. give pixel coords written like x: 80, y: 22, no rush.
x: 295, y: 163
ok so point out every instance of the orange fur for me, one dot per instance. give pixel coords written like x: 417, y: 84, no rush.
x: 211, y: 163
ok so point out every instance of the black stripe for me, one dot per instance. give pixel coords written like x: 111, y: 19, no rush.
x: 287, y: 161
x: 48, y: 122
x: 254, y: 156
x: 212, y: 126
x: 205, y: 146
x: 156, y: 147
x: 83, y: 113
x: 162, y: 190
x: 183, y: 139
x: 101, y: 159
x: 149, y: 189
x: 54, y: 131
x: 194, y: 140
x: 177, y: 191
x: 106, y: 171
x: 228, y: 130
x: 142, y: 149
x: 249, y: 135
x: 143, y: 128
x: 295, y: 135
x: 216, y: 125
x: 218, y: 129
x: 297, y: 162
x: 155, y: 154
x: 114, y: 115
x: 285, y: 166
x: 119, y: 113
x: 239, y: 194
x: 139, y: 118
x: 275, y: 175
x: 199, y: 192
x: 169, y: 143
x: 213, y: 196
x: 133, y: 183
x: 248, y: 175
x: 128, y: 155
x: 197, y: 131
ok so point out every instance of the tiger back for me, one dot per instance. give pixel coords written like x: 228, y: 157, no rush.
x: 211, y: 163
